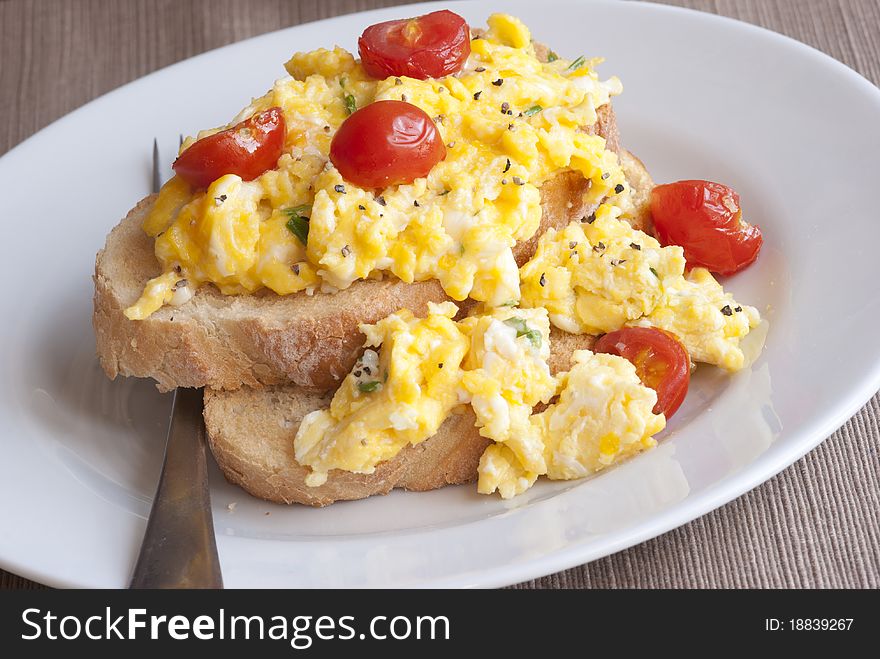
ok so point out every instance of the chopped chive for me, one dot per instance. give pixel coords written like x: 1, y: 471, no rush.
x: 369, y: 387
x: 350, y: 104
x: 522, y: 329
x: 551, y: 56
x: 578, y: 63
x: 535, y: 109
x: 298, y: 224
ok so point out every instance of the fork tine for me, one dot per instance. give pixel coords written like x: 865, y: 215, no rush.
x: 157, y: 180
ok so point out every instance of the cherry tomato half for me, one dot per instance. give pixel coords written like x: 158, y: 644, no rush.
x: 706, y: 220
x: 386, y: 143
x: 248, y: 149
x: 430, y: 46
x: 661, y: 362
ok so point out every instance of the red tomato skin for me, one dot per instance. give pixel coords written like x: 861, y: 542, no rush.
x: 386, y: 143
x: 662, y: 362
x: 248, y: 149
x: 706, y: 220
x: 430, y: 46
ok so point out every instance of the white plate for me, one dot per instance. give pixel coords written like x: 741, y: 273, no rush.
x: 792, y: 130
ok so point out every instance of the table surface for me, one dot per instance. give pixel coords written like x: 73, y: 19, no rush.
x: 816, y: 524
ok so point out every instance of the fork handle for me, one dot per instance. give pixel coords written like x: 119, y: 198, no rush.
x: 179, y: 548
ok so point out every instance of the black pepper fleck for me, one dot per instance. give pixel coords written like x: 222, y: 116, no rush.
x: 506, y: 167
x: 504, y: 181
x: 738, y: 309
x: 367, y: 370
x: 346, y: 250
x: 416, y: 203
x: 339, y: 188
x: 398, y: 81
x: 606, y: 175
x: 295, y: 268
x: 636, y: 246
x: 542, y: 280
x: 403, y: 97
x: 599, y: 246
x: 572, y: 244
x: 505, y: 107
x: 362, y: 207
x: 480, y: 69
x: 381, y: 200
x: 440, y: 365
x: 518, y: 181
x: 219, y: 200
x: 726, y: 310
x: 477, y: 96
x: 498, y: 82
x: 509, y: 126
x: 618, y: 188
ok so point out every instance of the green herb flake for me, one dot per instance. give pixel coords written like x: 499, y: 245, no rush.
x: 552, y: 57
x: 509, y: 303
x: 654, y: 272
x: 369, y: 387
x: 533, y: 335
x: 298, y: 224
x: 578, y: 63
x: 350, y: 104
x: 535, y: 109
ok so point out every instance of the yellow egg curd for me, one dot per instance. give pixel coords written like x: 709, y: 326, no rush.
x: 391, y: 399
x: 598, y: 276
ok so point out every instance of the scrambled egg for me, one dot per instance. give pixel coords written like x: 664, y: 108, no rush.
x: 594, y: 277
x: 707, y: 321
x: 506, y: 375
x: 509, y: 121
x: 391, y: 399
x: 599, y: 276
x: 497, y: 363
x: 604, y: 414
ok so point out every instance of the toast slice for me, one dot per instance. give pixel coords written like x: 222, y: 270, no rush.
x: 223, y: 342
x: 251, y: 433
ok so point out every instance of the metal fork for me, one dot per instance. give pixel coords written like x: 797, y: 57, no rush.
x: 179, y: 548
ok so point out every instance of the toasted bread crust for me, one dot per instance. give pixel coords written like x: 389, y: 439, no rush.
x: 251, y: 433
x: 224, y: 342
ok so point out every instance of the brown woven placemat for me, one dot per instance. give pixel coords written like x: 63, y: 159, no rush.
x: 817, y: 524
